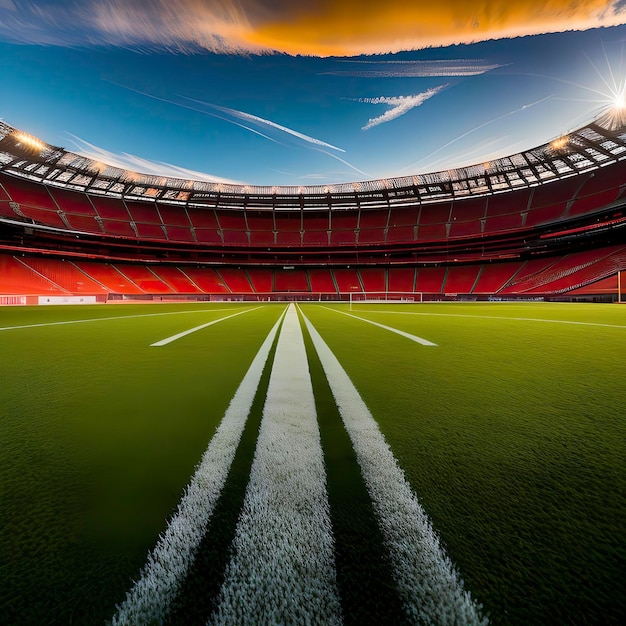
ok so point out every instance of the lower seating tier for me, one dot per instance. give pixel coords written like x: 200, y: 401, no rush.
x: 51, y: 275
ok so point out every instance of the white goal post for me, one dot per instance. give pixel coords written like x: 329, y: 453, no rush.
x: 385, y: 297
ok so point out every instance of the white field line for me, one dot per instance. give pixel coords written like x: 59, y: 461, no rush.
x: 167, y: 340
x: 105, y: 319
x: 492, y: 317
x: 429, y: 584
x: 150, y: 598
x: 415, y: 338
x: 282, y: 570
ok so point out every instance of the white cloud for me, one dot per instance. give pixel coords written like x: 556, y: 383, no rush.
x: 182, y: 26
x: 400, y: 105
x: 416, y: 69
x: 140, y: 165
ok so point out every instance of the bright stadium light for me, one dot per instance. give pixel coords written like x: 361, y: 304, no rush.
x: 29, y: 142
x: 560, y: 143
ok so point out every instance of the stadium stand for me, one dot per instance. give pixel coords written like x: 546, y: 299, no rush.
x: 69, y: 277
x: 430, y: 279
x: 295, y: 280
x: 261, y: 279
x: 144, y: 278
x: 494, y: 276
x: 461, y: 280
x: 401, y: 279
x: 347, y: 280
x: 236, y: 280
x: 176, y: 279
x: 18, y: 278
x: 322, y: 281
x: 207, y: 280
x: 537, y: 223
x: 373, y: 279
x: 110, y: 277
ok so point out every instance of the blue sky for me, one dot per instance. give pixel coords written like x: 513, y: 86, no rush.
x: 217, y: 106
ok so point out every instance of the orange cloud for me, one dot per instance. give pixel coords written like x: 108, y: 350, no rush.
x: 315, y: 27
x: 350, y: 27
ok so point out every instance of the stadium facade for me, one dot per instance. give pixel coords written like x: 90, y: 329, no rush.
x: 546, y: 222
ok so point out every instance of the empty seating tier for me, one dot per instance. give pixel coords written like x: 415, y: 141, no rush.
x: 28, y: 275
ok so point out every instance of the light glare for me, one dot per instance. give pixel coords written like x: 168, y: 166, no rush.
x: 28, y: 141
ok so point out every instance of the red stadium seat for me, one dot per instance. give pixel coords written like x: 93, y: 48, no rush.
x: 72, y: 201
x: 430, y: 279
x: 84, y: 223
x: 118, y: 228
x: 261, y: 279
x: 495, y: 276
x: 288, y: 238
x: 261, y: 238
x: 235, y: 237
x: 203, y: 219
x: 110, y: 277
x: 206, y: 279
x: 144, y: 212
x: 172, y: 215
x: 291, y: 281
x: 144, y: 278
x: 401, y: 279
x: 19, y: 278
x: 29, y: 193
x: 66, y: 275
x: 176, y: 279
x: 371, y: 235
x: 179, y: 233
x: 347, y: 280
x: 315, y: 237
x: 435, y: 213
x: 236, y: 280
x: 321, y: 281
x: 342, y: 237
x: 375, y: 218
x: 374, y: 279
x: 461, y: 279
x: 110, y: 208
x: 150, y: 231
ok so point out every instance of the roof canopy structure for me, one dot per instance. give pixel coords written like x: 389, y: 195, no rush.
x: 595, y: 145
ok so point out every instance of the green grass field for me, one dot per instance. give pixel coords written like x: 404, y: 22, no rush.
x: 511, y: 431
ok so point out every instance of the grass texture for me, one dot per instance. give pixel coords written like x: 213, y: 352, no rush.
x: 510, y: 431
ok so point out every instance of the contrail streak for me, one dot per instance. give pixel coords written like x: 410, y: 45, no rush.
x: 260, y: 120
x: 473, y: 130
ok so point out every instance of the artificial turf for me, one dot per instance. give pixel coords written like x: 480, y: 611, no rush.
x: 511, y: 432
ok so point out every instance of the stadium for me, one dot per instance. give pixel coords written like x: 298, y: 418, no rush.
x: 547, y: 222
x: 504, y: 418
x: 317, y: 315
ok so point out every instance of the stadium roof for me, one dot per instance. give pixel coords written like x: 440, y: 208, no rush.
x: 599, y: 143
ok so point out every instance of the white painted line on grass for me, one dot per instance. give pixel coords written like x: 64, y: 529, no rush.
x: 150, y: 598
x: 429, y: 584
x: 491, y: 317
x: 167, y: 340
x: 415, y: 338
x: 105, y: 319
x: 282, y: 570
